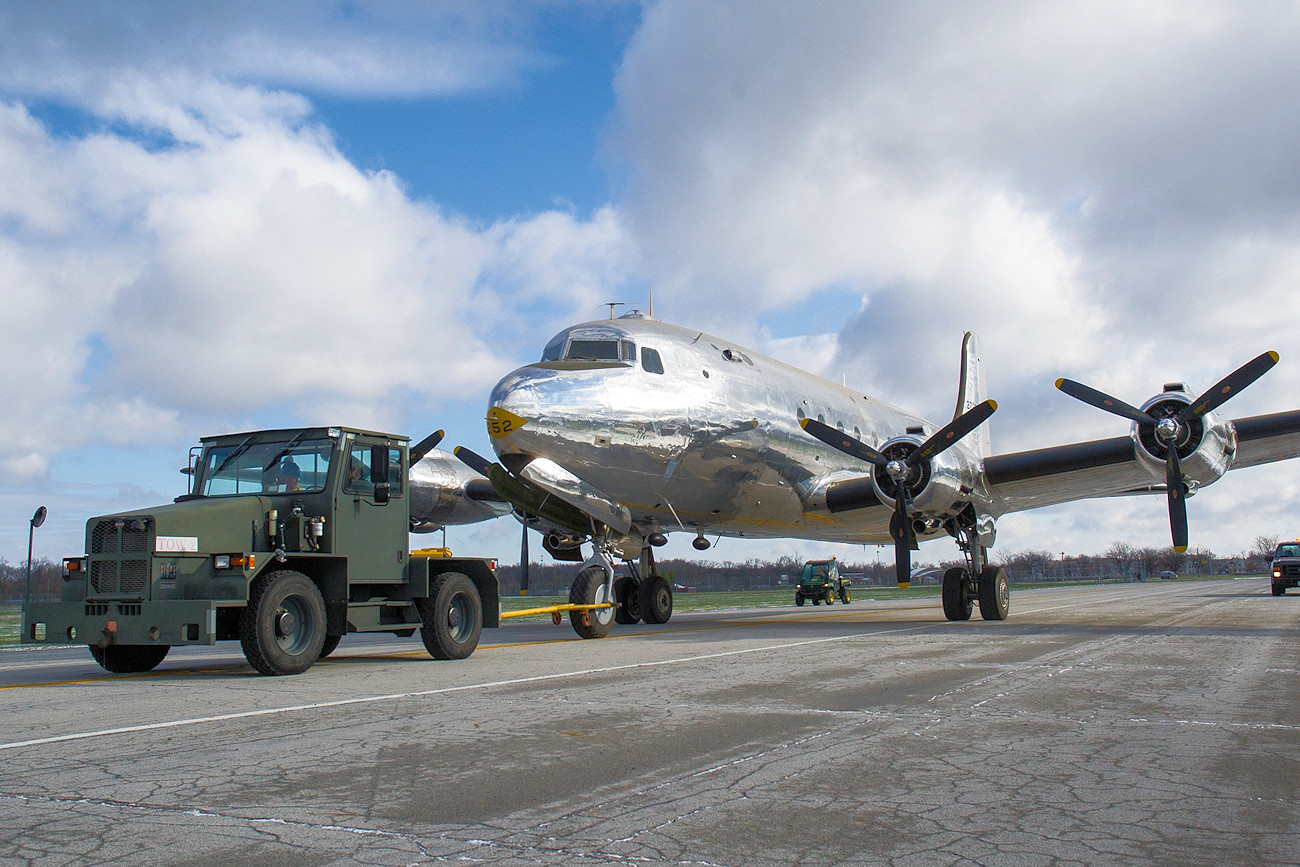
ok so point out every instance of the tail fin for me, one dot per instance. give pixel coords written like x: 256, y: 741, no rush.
x: 971, y: 391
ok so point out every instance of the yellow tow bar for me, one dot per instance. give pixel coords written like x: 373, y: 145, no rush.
x: 555, y: 610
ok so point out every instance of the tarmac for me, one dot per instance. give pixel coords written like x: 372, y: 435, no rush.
x: 1153, y: 722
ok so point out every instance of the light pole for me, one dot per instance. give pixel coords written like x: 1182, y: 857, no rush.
x: 37, y: 520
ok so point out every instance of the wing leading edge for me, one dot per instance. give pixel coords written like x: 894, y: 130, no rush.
x: 1110, y: 467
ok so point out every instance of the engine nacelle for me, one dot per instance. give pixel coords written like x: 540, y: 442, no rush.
x: 445, y: 491
x: 937, y: 489
x: 1206, y: 446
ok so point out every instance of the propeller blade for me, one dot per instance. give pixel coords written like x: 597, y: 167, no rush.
x: 523, y: 559
x: 426, y: 445
x: 837, y: 439
x: 900, y: 527
x: 1177, y: 500
x: 475, y: 462
x: 1101, y: 400
x: 954, y: 430
x: 1229, y: 386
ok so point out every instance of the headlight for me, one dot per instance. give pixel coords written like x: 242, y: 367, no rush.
x: 233, y: 561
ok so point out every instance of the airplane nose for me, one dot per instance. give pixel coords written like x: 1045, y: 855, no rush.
x: 513, y: 404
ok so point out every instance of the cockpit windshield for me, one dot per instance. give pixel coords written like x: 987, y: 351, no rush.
x: 590, y: 349
x: 289, y: 465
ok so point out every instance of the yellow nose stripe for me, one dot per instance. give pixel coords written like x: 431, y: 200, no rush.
x: 502, y: 422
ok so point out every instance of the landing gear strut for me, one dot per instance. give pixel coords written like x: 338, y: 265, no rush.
x: 977, y: 581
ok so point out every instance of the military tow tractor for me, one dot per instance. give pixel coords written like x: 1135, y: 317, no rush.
x: 286, y: 541
x: 821, y: 582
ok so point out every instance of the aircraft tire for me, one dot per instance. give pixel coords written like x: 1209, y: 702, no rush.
x: 627, y: 593
x: 453, y: 617
x: 995, y: 593
x: 129, y: 658
x: 330, y: 645
x: 282, y: 629
x: 589, y: 589
x: 956, y: 594
x: 656, y: 600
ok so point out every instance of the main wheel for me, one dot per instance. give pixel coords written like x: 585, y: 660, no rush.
x: 995, y: 593
x: 589, y: 589
x: 282, y: 629
x: 656, y: 600
x: 331, y: 643
x: 957, y: 603
x: 627, y: 593
x: 453, y: 617
x: 129, y: 658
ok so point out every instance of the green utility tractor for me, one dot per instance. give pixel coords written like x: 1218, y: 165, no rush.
x: 821, y: 582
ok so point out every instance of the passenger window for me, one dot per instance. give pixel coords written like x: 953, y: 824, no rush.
x: 650, y: 361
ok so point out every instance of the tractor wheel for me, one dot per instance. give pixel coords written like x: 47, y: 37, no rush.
x: 453, y: 617
x: 282, y: 629
x: 129, y: 658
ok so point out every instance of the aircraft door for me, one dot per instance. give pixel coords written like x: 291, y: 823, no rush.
x: 371, y: 518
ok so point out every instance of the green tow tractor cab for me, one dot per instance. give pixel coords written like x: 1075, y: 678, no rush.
x: 821, y: 582
x: 286, y: 541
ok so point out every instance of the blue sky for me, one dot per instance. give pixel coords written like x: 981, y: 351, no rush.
x: 198, y: 201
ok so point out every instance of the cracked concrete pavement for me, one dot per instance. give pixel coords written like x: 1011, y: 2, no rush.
x: 1098, y: 725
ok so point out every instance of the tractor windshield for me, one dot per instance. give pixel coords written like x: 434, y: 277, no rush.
x: 287, y: 465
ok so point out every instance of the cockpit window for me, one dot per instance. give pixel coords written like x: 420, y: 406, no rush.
x: 650, y: 361
x: 592, y: 350
x: 595, y: 350
x: 553, y: 351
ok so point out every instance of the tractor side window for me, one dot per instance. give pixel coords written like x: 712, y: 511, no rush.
x: 361, y: 475
x: 650, y: 361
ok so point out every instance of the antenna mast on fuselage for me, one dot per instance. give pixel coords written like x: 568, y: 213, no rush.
x: 612, y: 304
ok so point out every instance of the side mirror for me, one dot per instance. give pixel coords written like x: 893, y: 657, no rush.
x: 379, y: 472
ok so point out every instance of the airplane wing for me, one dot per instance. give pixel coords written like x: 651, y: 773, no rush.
x: 1110, y: 467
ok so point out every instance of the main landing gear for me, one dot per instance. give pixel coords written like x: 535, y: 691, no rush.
x: 645, y: 595
x: 977, y: 581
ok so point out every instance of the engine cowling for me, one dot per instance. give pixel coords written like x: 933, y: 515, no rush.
x: 1206, y: 444
x: 937, y: 489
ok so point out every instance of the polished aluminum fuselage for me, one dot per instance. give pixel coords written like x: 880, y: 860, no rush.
x: 713, y: 443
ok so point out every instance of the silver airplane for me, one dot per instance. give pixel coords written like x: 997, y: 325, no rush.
x: 629, y: 428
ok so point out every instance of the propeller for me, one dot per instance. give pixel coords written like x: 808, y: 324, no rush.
x: 1172, y: 429
x: 523, y: 557
x: 903, y: 471
x: 426, y: 445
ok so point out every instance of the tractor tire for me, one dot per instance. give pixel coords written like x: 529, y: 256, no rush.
x: 453, y: 617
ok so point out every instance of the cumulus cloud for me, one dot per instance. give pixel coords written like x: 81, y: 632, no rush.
x: 246, y: 265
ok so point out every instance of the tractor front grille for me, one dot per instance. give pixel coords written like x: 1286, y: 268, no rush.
x: 119, y: 555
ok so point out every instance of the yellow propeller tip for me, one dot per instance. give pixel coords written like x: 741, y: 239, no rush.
x: 1059, y: 381
x: 1273, y: 355
x: 993, y: 404
x: 1180, y: 549
x: 903, y: 585
x: 803, y: 423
